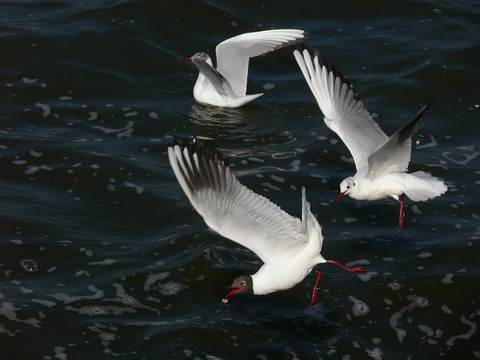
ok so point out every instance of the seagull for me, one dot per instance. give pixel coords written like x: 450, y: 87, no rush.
x: 289, y: 247
x: 381, y: 161
x: 227, y: 84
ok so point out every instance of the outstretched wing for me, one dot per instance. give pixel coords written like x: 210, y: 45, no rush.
x: 230, y: 208
x: 234, y: 54
x: 394, y: 155
x: 343, y: 111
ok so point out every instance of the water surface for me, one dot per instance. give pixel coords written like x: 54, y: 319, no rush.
x: 101, y: 254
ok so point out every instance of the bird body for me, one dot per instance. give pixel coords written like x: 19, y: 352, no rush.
x: 381, y: 161
x: 289, y: 247
x: 226, y: 85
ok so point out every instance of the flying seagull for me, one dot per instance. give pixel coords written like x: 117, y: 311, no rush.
x: 227, y: 84
x: 381, y: 161
x: 289, y: 247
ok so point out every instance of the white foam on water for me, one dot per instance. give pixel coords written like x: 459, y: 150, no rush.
x: 67, y: 299
x: 108, y: 131
x: 466, y: 157
x: 31, y: 170
x: 473, y: 329
x: 255, y: 159
x: 59, y: 353
x: 295, y: 164
x: 366, y: 276
x: 106, y: 335
x: 424, y: 254
x: 318, y: 176
x: 127, y: 299
x: 359, y: 308
x: 446, y: 309
x: 82, y: 273
x: 415, y: 209
x: 45, y: 108
x: 96, y: 310
x: 105, y: 262
x: 375, y: 353
x: 171, y: 288
x: 36, y: 154
x: 416, y: 301
x: 270, y: 186
x: 9, y: 310
x: 153, y: 115
x: 93, y: 116
x: 139, y: 190
x: 357, y: 262
x: 25, y: 290
x: 153, y: 278
x: 3, y: 330
x: 46, y: 303
x: 426, y: 329
x: 26, y: 80
x: 447, y: 279
x: 278, y: 179
x: 432, y: 143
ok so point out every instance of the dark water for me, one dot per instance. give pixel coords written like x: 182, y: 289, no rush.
x: 92, y: 92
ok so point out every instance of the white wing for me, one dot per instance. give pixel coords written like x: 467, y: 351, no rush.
x: 233, y: 54
x: 341, y: 106
x: 233, y: 210
x: 394, y: 155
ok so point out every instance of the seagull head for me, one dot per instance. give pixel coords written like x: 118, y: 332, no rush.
x: 347, y: 186
x: 241, y: 284
x: 199, y: 57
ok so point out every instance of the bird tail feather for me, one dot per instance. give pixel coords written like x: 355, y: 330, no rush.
x: 425, y: 187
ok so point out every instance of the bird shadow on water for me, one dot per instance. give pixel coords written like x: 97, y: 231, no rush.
x: 247, y: 126
x: 214, y: 123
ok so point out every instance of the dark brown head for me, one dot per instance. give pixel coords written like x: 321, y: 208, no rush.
x: 241, y: 284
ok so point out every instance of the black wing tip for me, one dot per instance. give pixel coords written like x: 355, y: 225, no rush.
x: 299, y: 46
x: 420, y: 114
x: 412, y: 126
x: 201, y: 166
x: 196, y: 146
x: 423, y: 109
x: 330, y: 66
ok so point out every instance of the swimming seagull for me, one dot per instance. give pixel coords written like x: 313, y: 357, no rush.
x: 227, y: 84
x: 289, y: 247
x: 381, y: 161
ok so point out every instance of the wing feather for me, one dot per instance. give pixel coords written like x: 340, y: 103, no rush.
x: 394, y: 155
x: 233, y: 54
x: 230, y: 208
x: 343, y: 111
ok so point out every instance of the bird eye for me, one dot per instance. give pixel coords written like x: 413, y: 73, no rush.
x: 348, y: 186
x: 243, y: 283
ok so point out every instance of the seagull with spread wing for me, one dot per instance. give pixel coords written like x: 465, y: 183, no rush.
x: 227, y: 84
x: 381, y: 161
x: 289, y: 247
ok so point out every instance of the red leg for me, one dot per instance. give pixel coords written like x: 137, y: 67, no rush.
x: 349, y: 269
x: 314, y: 292
x: 401, y: 214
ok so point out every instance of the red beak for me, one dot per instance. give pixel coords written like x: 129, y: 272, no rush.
x: 188, y: 59
x: 340, y: 195
x: 234, y: 290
